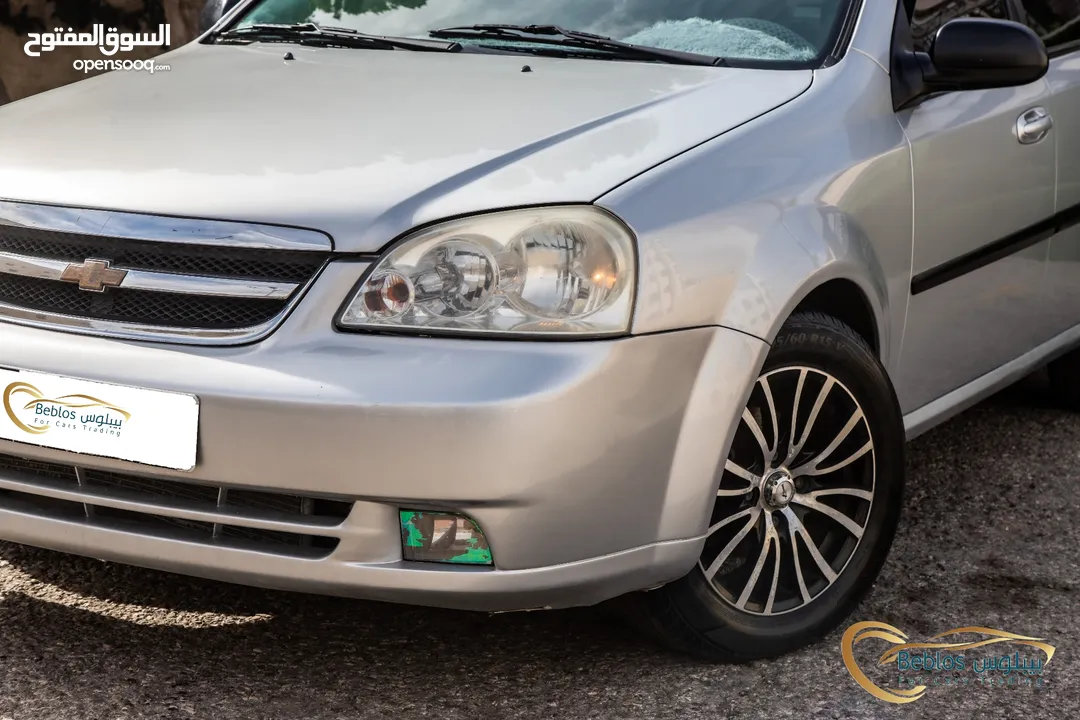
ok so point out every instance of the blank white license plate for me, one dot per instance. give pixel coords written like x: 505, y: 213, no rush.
x: 152, y: 427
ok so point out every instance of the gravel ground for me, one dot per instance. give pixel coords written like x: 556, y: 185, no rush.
x: 986, y: 540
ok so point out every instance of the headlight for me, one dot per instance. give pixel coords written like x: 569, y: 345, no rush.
x: 548, y: 271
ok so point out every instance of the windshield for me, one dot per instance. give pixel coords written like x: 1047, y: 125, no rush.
x: 786, y: 32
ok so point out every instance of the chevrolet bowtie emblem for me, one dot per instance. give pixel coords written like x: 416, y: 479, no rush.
x: 93, y: 275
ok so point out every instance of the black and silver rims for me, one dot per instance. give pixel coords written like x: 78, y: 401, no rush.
x: 796, y: 494
x: 807, y: 503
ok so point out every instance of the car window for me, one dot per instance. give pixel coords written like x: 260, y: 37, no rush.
x: 930, y: 15
x: 781, y: 31
x: 1056, y: 21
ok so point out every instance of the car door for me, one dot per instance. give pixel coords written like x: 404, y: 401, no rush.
x: 1058, y: 23
x: 981, y: 193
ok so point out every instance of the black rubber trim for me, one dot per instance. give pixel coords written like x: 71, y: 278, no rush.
x: 1064, y: 49
x: 833, y: 49
x: 998, y: 250
x: 843, y: 33
x: 1068, y: 218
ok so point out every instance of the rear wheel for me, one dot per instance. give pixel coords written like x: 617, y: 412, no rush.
x: 807, y: 506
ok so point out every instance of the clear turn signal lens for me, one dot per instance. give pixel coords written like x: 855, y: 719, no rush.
x: 387, y: 295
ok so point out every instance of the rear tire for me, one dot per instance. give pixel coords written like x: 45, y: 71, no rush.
x: 833, y: 477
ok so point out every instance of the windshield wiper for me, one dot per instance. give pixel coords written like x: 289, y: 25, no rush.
x: 312, y: 34
x: 561, y: 37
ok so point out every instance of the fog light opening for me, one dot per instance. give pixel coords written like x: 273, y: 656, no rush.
x: 442, y: 538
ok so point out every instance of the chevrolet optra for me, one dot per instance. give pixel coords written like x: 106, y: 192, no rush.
x: 519, y: 305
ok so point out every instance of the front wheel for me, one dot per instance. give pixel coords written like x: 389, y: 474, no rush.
x: 807, y: 505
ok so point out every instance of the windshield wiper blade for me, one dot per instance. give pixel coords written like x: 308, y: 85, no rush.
x: 561, y: 37
x: 312, y: 34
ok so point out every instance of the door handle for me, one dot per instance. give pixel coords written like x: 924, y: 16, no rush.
x: 1033, y: 126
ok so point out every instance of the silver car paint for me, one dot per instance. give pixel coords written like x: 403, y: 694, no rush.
x: 1061, y: 289
x: 740, y: 230
x: 873, y: 36
x: 303, y: 146
x: 995, y: 312
x: 747, y: 189
x: 422, y: 411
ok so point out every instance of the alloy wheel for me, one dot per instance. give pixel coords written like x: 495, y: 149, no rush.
x: 795, y: 495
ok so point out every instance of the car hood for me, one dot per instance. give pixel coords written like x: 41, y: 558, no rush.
x: 365, y: 144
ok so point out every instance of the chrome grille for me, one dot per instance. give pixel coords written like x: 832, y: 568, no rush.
x: 280, y: 523
x: 149, y: 277
x: 170, y: 310
x: 288, y: 266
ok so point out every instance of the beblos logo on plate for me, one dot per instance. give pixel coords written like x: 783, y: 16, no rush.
x: 77, y: 413
x: 141, y: 425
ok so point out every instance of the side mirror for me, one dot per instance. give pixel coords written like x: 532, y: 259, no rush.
x: 976, y: 53
x: 971, y: 54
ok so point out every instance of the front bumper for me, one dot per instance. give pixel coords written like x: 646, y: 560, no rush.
x: 590, y: 466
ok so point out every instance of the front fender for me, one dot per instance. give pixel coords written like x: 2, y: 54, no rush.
x: 739, y: 231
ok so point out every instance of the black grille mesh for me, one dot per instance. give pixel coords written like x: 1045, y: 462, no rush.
x: 43, y: 470
x: 98, y: 480
x: 166, y: 310
x: 276, y: 265
x: 137, y: 306
x: 254, y: 504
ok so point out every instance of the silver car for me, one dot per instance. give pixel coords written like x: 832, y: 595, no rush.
x: 517, y: 305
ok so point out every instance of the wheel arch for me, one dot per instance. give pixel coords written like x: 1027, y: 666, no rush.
x: 845, y: 297
x: 788, y: 212
x: 844, y: 300
x: 837, y: 273
x: 819, y: 260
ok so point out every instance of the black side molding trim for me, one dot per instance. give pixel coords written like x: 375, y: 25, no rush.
x: 1068, y: 218
x: 998, y: 250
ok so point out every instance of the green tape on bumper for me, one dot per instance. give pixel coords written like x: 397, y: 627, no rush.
x: 442, y: 538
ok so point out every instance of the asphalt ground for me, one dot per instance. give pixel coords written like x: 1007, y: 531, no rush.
x: 989, y: 538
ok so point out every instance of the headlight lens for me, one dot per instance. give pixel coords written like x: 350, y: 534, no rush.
x: 550, y: 271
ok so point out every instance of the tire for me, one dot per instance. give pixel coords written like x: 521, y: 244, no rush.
x: 1064, y: 376
x: 755, y: 606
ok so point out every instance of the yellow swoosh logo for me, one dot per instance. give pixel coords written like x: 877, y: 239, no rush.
x: 864, y: 631
x: 37, y: 397
x: 882, y: 631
